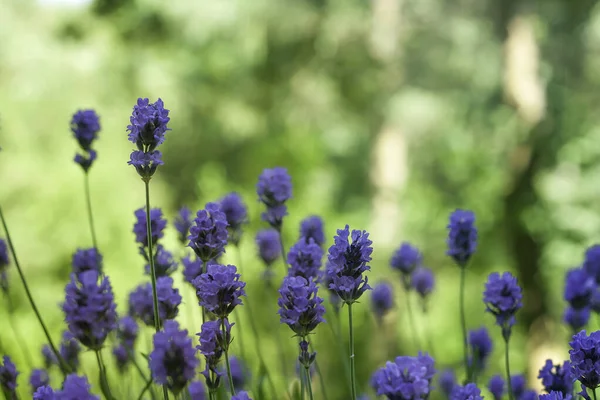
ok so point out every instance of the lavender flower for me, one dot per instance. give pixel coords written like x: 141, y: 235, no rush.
x: 121, y: 357
x: 148, y: 124
x: 219, y: 289
x: 407, y: 378
x: 382, y: 299
x: 517, y: 382
x: 8, y: 376
x: 269, y: 246
x: 197, y: 391
x: 236, y: 215
x: 591, y: 264
x: 44, y: 393
x: 69, y: 351
x: 556, y: 377
x: 164, y: 264
x: 554, y: 396
x: 502, y: 297
x: 274, y: 188
x: 145, y: 164
x: 49, y: 356
x: 87, y: 260
x: 4, y: 262
x: 447, y: 382
x: 183, y: 223
x: 239, y: 373
x: 157, y: 226
x: 304, y: 259
x: 462, y: 236
x: 127, y: 331
x: 347, y: 263
x: 192, y: 268
x: 312, y: 228
x: 299, y: 305
x: 481, y: 347
x: 406, y: 259
x: 173, y: 360
x: 595, y: 300
x: 585, y: 359
x: 85, y: 125
x: 141, y: 302
x: 76, y: 388
x: 579, y: 288
x: 241, y: 396
x: 85, y: 161
x: 39, y: 377
x: 496, y: 387
x: 468, y: 392
x: 213, y: 343
x: 576, y: 319
x: 90, y: 309
x: 208, y: 235
x: 423, y: 281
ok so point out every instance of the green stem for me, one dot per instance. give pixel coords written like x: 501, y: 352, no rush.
x: 308, y: 383
x: 507, y: 363
x: 463, y: 321
x: 238, y: 321
x: 352, y: 367
x: 321, y: 380
x: 594, y: 392
x: 63, y: 365
x: 88, y: 199
x: 337, y: 337
x: 141, y: 372
x: 411, y: 319
x: 146, y: 387
x: 283, y: 252
x: 302, y: 383
x: 13, y: 324
x: 151, y: 258
x: 103, y: 378
x: 226, y: 352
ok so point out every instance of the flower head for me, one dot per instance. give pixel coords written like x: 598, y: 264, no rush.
x: 208, y: 235
x: 87, y: 260
x: 197, y: 391
x: 304, y: 259
x: 145, y: 163
x: 86, y: 160
x: 164, y: 264
x: 423, y: 281
x: 462, y: 236
x: 173, y: 359
x: 585, y: 358
x: 274, y: 188
x: 382, y: 299
x: 76, y: 388
x: 39, y: 377
x: 44, y: 393
x: 239, y: 373
x: 148, y: 124
x: 219, y: 289
x: 269, y: 246
x: 447, y: 381
x: 157, y: 226
x: 8, y: 375
x: 70, y: 349
x: 407, y: 378
x: 579, y: 288
x: 591, y: 263
x: 481, y: 347
x: 49, y: 356
x: 347, y: 263
x: 213, y: 342
x: 312, y: 228
x: 183, y: 223
x: 502, y: 297
x: 299, y: 305
x: 127, y: 331
x: 554, y: 396
x: 141, y: 302
x: 557, y: 377
x: 192, y: 268
x: 85, y: 125
x: 576, y: 319
x: 241, y: 396
x: 4, y: 262
x: 236, y: 215
x: 406, y: 258
x: 496, y: 387
x: 90, y: 310
x: 468, y: 392
x: 121, y: 357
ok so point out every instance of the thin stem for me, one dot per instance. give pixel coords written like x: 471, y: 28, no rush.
x: 103, y: 378
x: 337, y: 336
x: 151, y: 257
x: 352, y: 367
x: 226, y: 352
x: 321, y: 380
x: 63, y: 365
x: 141, y: 396
x: 283, y: 253
x: 302, y: 382
x: 88, y: 199
x: 507, y: 363
x: 13, y: 324
x: 165, y: 392
x: 308, y: 383
x: 411, y: 319
x: 594, y: 392
x: 141, y: 372
x: 238, y: 320
x: 463, y: 321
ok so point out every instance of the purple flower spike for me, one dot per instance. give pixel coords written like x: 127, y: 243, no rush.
x: 481, y: 347
x: 591, y: 264
x: 382, y: 299
x: 148, y: 124
x: 157, y: 226
x: 502, y: 297
x: 557, y: 377
x: 423, y: 281
x: 164, y: 264
x: 447, y: 382
x: 8, y: 376
x: 70, y: 349
x: 468, y: 392
x: 585, y: 359
x: 269, y: 246
x: 76, y: 388
x: 192, y: 268
x: 44, y: 393
x: 496, y: 387
x: 299, y: 305
x: 87, y: 260
x: 208, y: 235
x: 197, y: 391
x: 39, y: 377
x: 90, y: 310
x: 183, y: 223
x: 236, y: 214
x: 127, y: 331
x: 407, y: 378
x: 462, y: 236
x: 576, y: 319
x: 305, y: 258
x: 145, y: 163
x: 173, y: 360
x: 213, y: 342
x: 347, y: 263
x: 4, y: 263
x: 274, y: 188
x: 85, y: 161
x: 554, y: 396
x: 141, y: 302
x: 406, y: 259
x: 219, y: 289
x: 85, y: 126
x: 312, y: 228
x: 241, y: 396
x: 579, y: 288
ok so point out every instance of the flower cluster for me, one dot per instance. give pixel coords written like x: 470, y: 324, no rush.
x: 305, y: 258
x: 219, y: 289
x: 462, y: 236
x: 447, y: 381
x: 183, y: 223
x: 127, y: 333
x: 164, y: 264
x: 208, y: 234
x: 585, y: 359
x: 274, y: 188
x: 407, y: 378
x: 347, y: 263
x: 70, y: 350
x: 423, y: 281
x: 213, y: 343
x: 173, y: 361
x: 85, y: 126
x: 4, y: 262
x: 157, y: 226
x: 90, y: 310
x: 382, y: 299
x: 502, y: 297
x: 8, y: 376
x: 192, y: 268
x: 299, y: 305
x: 269, y: 246
x: 141, y: 303
x: 312, y: 228
x: 557, y: 378
x: 406, y: 259
x: 87, y: 260
x: 481, y: 347
x: 74, y: 388
x: 579, y: 288
x: 148, y: 125
x: 39, y: 377
x: 468, y: 392
x: 496, y: 386
x: 236, y: 215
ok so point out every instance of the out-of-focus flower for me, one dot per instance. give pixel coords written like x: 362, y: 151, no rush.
x: 312, y: 228
x: 502, y: 297
x: 274, y: 188
x: 304, y: 259
x: 157, y: 226
x: 462, y: 236
x: 183, y: 223
x: 236, y: 215
x: 382, y: 299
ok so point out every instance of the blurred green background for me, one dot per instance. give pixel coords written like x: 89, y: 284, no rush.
x: 388, y: 115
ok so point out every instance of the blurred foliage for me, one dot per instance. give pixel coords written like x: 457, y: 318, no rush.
x: 303, y: 84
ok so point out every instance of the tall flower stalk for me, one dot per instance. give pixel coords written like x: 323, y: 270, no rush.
x: 345, y: 270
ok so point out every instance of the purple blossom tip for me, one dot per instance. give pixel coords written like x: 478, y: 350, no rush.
x: 462, y: 236
x: 423, y: 281
x: 299, y: 305
x: 269, y: 246
x: 312, y: 228
x: 8, y: 376
x: 236, y: 215
x: 157, y: 226
x: 382, y: 299
x: 502, y: 297
x: 183, y: 223
x: 219, y: 289
x: 274, y: 188
x: 85, y: 126
x: 208, y: 234
x: 305, y: 259
x: 148, y: 124
x: 406, y: 259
